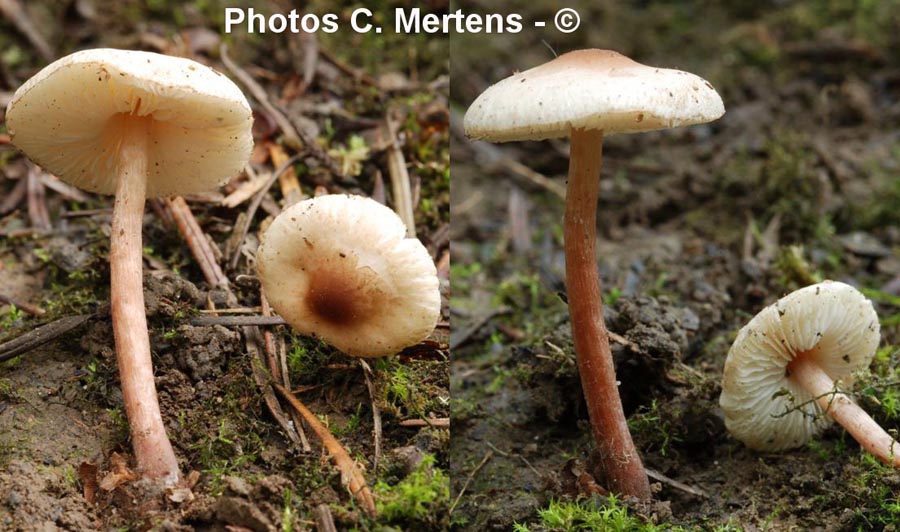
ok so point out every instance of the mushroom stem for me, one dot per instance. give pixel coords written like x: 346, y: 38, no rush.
x: 152, y: 449
x: 619, y: 459
x: 839, y: 406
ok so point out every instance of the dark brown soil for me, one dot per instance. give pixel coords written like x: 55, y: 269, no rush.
x: 699, y: 229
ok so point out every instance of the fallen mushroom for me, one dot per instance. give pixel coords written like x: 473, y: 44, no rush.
x: 341, y: 268
x: 133, y: 124
x: 789, y: 366
x: 584, y: 95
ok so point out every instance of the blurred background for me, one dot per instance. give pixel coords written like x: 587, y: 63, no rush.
x: 699, y: 229
x: 358, y: 112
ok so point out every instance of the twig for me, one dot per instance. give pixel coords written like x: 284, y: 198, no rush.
x: 37, y: 204
x: 466, y: 334
x: 88, y: 213
x: 487, y: 456
x: 237, y: 321
x: 494, y: 156
x: 269, y: 342
x: 517, y: 209
x: 399, y: 178
x: 34, y: 310
x: 246, y: 189
x: 509, y: 454
x: 277, y: 359
x: 351, y: 476
x: 13, y: 11
x: 290, y: 185
x: 324, y: 520
x: 15, y: 196
x: 240, y: 310
x: 61, y: 187
x: 295, y: 138
x: 197, y: 242
x: 376, y: 412
x: 41, y: 335
x: 309, y: 46
x: 261, y: 378
x: 439, y: 422
x: 659, y: 477
x: 242, y: 226
x: 358, y: 75
x: 291, y: 138
x: 621, y: 340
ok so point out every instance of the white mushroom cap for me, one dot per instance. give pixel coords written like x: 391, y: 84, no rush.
x: 341, y: 268
x: 590, y: 89
x: 831, y: 322
x: 67, y: 117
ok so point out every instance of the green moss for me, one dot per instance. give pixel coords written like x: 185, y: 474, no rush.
x: 9, y: 319
x: 7, y: 391
x: 651, y: 428
x: 793, y: 269
x: 422, y: 499
x: 411, y: 388
x: 607, y: 515
x: 307, y: 356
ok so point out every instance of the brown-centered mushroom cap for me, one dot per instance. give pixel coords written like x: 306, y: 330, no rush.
x: 590, y: 89
x: 68, y: 117
x: 831, y: 322
x: 341, y: 268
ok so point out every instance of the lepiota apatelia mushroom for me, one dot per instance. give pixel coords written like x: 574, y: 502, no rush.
x: 341, y: 268
x: 584, y: 95
x: 787, y: 369
x: 133, y: 124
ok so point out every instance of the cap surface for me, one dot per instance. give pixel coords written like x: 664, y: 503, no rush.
x: 590, y: 89
x: 341, y: 268
x: 831, y: 322
x: 66, y: 119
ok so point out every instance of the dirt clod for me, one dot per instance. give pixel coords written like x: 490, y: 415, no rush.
x: 203, y: 351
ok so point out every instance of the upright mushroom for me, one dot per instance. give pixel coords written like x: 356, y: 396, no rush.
x: 341, y: 268
x: 133, y: 124
x: 789, y: 366
x: 584, y: 95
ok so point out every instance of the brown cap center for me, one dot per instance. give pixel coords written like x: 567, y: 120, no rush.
x: 342, y: 293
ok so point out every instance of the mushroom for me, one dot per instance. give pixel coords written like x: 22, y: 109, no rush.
x: 133, y: 124
x: 340, y: 268
x: 584, y: 95
x: 789, y: 366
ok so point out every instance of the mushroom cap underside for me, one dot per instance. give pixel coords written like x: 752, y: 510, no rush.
x: 590, y: 89
x: 341, y: 268
x: 67, y: 118
x: 830, y: 322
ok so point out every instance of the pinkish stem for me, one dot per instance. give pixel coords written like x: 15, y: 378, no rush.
x: 839, y: 406
x: 620, y: 461
x: 152, y: 449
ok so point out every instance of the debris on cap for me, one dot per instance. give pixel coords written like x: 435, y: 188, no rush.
x: 341, y: 268
x: 590, y: 89
x: 67, y: 119
x: 831, y: 322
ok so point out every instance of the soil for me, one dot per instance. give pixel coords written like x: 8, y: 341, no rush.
x: 65, y: 456
x: 700, y: 228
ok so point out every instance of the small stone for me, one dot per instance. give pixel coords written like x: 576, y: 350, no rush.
x: 13, y: 499
x: 863, y: 244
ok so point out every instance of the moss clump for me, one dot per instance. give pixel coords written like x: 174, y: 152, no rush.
x: 420, y: 501
x: 609, y: 514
